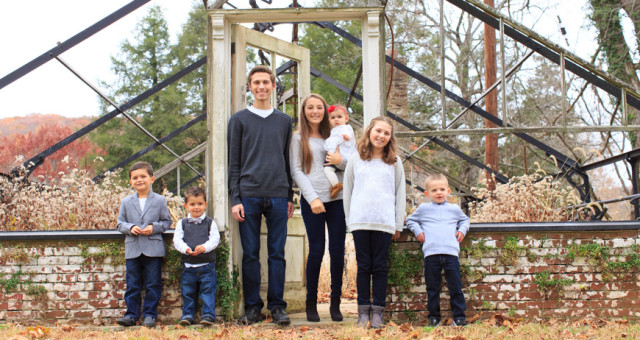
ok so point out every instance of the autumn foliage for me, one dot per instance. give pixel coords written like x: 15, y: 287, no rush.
x: 17, y: 148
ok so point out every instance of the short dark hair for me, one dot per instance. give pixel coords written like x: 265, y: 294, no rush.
x: 194, y: 191
x: 263, y: 69
x: 141, y: 165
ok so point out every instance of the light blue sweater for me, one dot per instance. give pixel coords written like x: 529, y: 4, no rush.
x: 439, y: 223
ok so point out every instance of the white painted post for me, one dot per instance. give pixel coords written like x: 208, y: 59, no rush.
x: 373, y: 66
x: 218, y: 113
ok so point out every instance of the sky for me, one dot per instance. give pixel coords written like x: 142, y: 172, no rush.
x: 30, y: 28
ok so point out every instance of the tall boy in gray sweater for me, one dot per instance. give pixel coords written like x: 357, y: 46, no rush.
x: 441, y: 226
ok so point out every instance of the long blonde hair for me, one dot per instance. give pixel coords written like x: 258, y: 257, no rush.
x: 365, y: 149
x: 304, y: 129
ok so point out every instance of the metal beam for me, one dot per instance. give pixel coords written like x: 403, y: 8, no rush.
x: 71, y: 42
x: 38, y: 159
x: 152, y: 146
x: 513, y: 130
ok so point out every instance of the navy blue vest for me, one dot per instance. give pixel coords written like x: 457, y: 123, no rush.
x: 195, y: 235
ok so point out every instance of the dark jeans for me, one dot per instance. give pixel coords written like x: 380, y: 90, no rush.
x: 336, y: 226
x: 143, y: 271
x: 433, y: 266
x: 372, y: 252
x: 275, y: 212
x: 198, y: 282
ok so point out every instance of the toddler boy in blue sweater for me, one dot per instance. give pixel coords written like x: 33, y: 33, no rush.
x: 441, y: 226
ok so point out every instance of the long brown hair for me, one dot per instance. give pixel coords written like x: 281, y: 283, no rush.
x: 304, y: 129
x: 365, y: 149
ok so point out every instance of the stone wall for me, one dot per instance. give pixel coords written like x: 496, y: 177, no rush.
x: 539, y: 271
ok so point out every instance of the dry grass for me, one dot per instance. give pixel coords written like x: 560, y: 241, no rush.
x: 494, y: 328
x: 74, y: 201
x: 528, y: 198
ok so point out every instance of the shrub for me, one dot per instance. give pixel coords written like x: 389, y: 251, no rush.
x: 528, y: 198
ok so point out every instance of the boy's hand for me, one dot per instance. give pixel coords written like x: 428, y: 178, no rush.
x: 459, y: 236
x: 147, y: 230
x: 199, y: 250
x: 135, y: 230
x: 290, y: 209
x: 238, y: 212
x: 345, y: 136
x: 395, y: 236
x: 190, y: 252
x: 420, y: 237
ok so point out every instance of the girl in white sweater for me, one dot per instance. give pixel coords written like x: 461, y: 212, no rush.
x: 374, y: 206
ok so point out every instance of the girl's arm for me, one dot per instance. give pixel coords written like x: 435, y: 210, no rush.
x: 295, y: 165
x: 401, y: 194
x: 347, y: 189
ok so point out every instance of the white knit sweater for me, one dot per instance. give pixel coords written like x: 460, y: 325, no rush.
x: 374, y: 195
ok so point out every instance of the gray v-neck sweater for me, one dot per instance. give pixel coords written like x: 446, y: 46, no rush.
x: 259, y: 155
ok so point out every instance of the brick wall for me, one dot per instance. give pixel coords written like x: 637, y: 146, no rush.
x: 535, y: 274
x: 80, y: 281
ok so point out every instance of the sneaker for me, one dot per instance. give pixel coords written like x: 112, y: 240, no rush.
x: 251, y: 316
x: 434, y: 322
x: 149, y: 322
x: 280, y: 317
x: 187, y: 321
x: 127, y: 321
x: 459, y: 322
x: 208, y: 320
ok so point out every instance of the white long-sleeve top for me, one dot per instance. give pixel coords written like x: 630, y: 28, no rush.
x: 209, y: 245
x: 347, y: 147
x: 374, y: 195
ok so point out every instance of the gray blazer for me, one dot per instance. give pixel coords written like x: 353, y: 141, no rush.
x: 156, y: 213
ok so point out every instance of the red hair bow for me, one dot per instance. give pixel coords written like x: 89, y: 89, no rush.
x: 331, y: 108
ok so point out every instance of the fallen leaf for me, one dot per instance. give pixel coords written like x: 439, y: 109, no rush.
x: 405, y: 327
x: 68, y: 328
x: 183, y: 337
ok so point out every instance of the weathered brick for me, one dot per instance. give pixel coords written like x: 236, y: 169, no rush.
x: 50, y: 260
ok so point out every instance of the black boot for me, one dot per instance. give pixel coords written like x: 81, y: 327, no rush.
x: 334, y: 309
x: 312, y: 311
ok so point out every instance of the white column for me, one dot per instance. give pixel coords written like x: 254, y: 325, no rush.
x: 218, y: 113
x: 373, y: 66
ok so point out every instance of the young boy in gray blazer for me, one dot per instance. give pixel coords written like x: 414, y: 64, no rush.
x: 143, y: 217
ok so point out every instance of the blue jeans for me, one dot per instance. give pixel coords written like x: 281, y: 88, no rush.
x: 275, y: 212
x: 372, y: 252
x: 335, y: 223
x: 143, y: 271
x: 198, y: 282
x: 433, y: 266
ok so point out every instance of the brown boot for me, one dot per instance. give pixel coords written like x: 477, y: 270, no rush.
x: 335, y: 190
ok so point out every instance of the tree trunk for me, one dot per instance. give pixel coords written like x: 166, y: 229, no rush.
x: 491, y: 101
x: 606, y: 17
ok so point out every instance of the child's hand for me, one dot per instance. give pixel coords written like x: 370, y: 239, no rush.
x: 420, y: 237
x: 190, y: 252
x: 199, y: 250
x: 396, y: 236
x: 345, y: 136
x: 147, y: 230
x: 135, y: 230
x: 459, y: 236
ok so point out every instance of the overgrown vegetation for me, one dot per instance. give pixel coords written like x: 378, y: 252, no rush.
x: 527, y: 198
x: 228, y: 285
x: 547, y: 284
x: 404, y: 266
x: 75, y: 202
